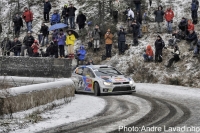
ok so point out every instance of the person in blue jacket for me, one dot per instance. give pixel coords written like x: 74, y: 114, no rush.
x: 55, y: 18
x: 81, y: 55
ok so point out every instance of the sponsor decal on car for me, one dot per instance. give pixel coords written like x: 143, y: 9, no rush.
x: 119, y: 79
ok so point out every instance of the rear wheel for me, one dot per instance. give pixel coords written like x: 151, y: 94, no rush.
x: 96, y: 89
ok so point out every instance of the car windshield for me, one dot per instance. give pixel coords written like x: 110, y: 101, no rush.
x: 106, y: 72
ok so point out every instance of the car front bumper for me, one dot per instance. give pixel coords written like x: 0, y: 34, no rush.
x: 118, y: 89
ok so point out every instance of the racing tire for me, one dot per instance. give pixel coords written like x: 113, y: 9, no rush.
x: 96, y: 89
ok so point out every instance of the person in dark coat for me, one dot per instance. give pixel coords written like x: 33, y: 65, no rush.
x: 65, y: 14
x: 150, y: 3
x: 192, y: 39
x: 28, y: 41
x: 183, y: 25
x: 55, y: 40
x: 47, y: 9
x: 135, y: 27
x: 159, y: 18
x: 80, y: 20
x: 90, y: 62
x: 18, y: 23
x: 194, y: 9
x: 175, y: 57
x: 0, y: 28
x: 121, y: 40
x: 16, y: 47
x: 71, y: 12
x: 138, y: 17
x: 137, y: 5
x: 159, y: 45
x: 45, y: 32
x: 6, y: 46
x: 197, y: 48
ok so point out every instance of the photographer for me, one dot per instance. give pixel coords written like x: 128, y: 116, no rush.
x: 135, y: 26
x: 80, y: 55
x: 108, y: 41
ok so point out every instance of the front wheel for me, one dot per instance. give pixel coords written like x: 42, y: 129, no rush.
x: 96, y: 89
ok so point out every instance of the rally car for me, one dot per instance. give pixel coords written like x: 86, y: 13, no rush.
x: 100, y: 79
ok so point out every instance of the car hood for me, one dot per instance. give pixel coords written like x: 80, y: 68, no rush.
x: 113, y: 79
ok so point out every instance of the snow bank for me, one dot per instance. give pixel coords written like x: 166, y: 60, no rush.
x: 76, y: 110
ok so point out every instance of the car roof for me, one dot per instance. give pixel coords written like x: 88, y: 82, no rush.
x: 97, y: 66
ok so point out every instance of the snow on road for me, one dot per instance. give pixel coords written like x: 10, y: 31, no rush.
x: 81, y: 107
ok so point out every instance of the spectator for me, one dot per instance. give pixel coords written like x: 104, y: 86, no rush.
x: 145, y: 16
x: 65, y: 14
x: 90, y: 62
x: 138, y: 18
x: 28, y: 41
x: 159, y: 45
x: 71, y: 12
x: 135, y: 27
x: 194, y: 9
x: 45, y: 32
x: 130, y: 14
x: 55, y: 18
x: 183, y: 25
x: 121, y: 40
x: 169, y: 15
x: 0, y: 28
x: 47, y: 9
x: 150, y: 3
x: 70, y: 41
x: 197, y: 48
x: 108, y: 41
x: 177, y: 37
x: 96, y: 36
x: 192, y: 39
x: 137, y: 5
x: 55, y: 41
x: 159, y: 13
x: 35, y: 47
x: 18, y: 23
x: 61, y: 43
x: 16, y: 46
x: 190, y: 26
x: 175, y: 57
x: 81, y: 55
x: 148, y: 56
x: 6, y: 46
x: 80, y: 20
x: 116, y: 8
x: 28, y: 18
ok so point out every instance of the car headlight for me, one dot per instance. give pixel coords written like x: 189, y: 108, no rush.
x: 107, y: 83
x: 131, y: 82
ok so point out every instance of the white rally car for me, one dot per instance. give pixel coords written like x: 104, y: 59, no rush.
x: 99, y: 79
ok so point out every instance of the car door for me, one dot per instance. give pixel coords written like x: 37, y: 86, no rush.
x: 79, y: 84
x: 88, y: 76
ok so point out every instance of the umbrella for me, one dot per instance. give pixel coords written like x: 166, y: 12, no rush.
x: 74, y: 32
x: 57, y: 26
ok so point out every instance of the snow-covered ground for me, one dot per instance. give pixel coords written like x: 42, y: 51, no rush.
x: 81, y: 107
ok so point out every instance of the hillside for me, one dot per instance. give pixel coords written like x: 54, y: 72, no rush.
x: 185, y: 72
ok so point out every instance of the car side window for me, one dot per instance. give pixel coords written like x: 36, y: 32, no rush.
x: 79, y: 71
x: 88, y: 72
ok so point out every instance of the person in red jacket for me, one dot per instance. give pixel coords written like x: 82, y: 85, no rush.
x: 35, y: 47
x: 169, y: 15
x: 28, y: 18
x: 190, y: 26
x: 148, y: 55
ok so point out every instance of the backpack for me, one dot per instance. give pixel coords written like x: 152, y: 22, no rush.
x: 194, y: 6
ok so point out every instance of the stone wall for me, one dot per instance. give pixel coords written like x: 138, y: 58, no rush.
x: 35, y: 67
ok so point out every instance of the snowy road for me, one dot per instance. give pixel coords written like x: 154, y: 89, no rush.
x: 154, y: 108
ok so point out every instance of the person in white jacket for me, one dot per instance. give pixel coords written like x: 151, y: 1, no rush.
x: 130, y: 14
